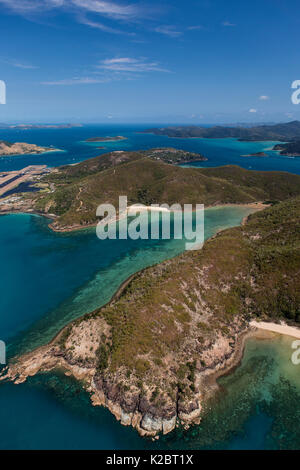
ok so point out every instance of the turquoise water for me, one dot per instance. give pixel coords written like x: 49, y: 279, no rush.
x: 257, y: 407
x: 218, y: 151
x: 48, y: 279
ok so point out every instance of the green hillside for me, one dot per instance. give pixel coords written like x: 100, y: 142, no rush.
x: 169, y: 314
x: 78, y: 190
x: 174, y: 322
x: 150, y: 355
x: 247, y: 271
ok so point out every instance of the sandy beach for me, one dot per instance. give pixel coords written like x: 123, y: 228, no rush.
x: 140, y: 207
x: 280, y: 328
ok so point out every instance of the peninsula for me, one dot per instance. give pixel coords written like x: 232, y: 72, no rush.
x: 284, y: 132
x: 151, y: 356
x: 290, y: 149
x: 22, y: 148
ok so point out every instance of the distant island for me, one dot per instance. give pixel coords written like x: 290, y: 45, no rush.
x: 175, y: 156
x: 106, y: 139
x: 22, y: 148
x: 284, y: 132
x: 290, y: 149
x: 38, y: 126
x: 256, y: 154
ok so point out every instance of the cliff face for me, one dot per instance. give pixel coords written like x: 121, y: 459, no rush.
x: 152, y: 403
x: 149, y: 354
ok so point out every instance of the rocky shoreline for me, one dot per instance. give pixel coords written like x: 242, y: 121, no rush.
x: 132, y: 407
x: 153, y: 354
x: 22, y: 148
x: 135, y: 408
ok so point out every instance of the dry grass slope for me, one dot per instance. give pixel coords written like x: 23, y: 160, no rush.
x: 81, y: 188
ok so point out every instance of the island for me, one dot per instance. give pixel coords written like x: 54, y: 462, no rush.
x: 38, y: 126
x: 289, y: 149
x: 22, y: 148
x: 72, y: 193
x: 256, y: 154
x: 153, y: 353
x: 175, y: 156
x: 106, y: 139
x: 283, y: 132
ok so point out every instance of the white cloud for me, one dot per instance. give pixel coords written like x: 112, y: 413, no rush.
x: 252, y: 110
x: 227, y: 23
x: 118, y: 68
x: 77, y: 81
x: 89, y: 12
x: 107, y: 8
x: 168, y: 30
x: 128, y: 64
x: 21, y: 65
x: 111, y: 9
x: 199, y: 26
x: 30, y: 6
x: 18, y: 64
x: 264, y: 97
x: 95, y: 24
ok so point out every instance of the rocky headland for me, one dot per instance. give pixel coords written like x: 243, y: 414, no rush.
x: 152, y: 354
x: 22, y: 148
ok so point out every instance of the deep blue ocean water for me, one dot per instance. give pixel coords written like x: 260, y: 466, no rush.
x: 72, y: 141
x: 48, y: 279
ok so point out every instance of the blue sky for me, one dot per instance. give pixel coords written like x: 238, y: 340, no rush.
x: 193, y: 61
